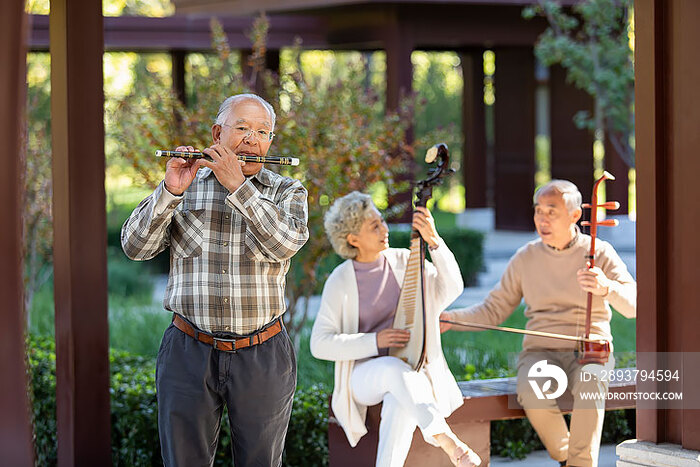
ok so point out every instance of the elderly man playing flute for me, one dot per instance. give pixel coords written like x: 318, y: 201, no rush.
x: 232, y: 228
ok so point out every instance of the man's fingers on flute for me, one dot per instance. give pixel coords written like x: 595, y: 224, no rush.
x: 211, y: 152
x: 223, y: 151
x: 205, y: 163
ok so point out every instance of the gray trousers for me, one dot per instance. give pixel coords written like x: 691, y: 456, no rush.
x: 194, y: 381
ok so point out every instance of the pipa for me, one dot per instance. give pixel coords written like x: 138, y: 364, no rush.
x: 410, y: 312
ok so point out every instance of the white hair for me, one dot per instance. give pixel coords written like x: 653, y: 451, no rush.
x: 346, y: 216
x: 225, y: 108
x: 568, y: 191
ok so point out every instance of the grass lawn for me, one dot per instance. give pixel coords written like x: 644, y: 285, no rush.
x: 470, y: 355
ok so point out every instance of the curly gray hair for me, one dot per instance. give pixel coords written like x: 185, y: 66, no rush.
x: 346, y: 216
x: 568, y: 191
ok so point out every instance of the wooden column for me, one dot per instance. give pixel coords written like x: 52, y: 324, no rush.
x: 178, y: 58
x: 474, y: 172
x: 399, y: 69
x: 15, y: 419
x: 80, y: 237
x: 619, y: 189
x: 272, y: 63
x: 667, y: 105
x: 572, y: 149
x: 398, y: 44
x: 514, y: 149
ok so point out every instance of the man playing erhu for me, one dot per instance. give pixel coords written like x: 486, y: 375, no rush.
x: 550, y: 274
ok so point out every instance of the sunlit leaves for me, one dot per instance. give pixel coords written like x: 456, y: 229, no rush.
x: 592, y: 41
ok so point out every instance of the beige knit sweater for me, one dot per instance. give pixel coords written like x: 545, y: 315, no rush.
x: 546, y: 280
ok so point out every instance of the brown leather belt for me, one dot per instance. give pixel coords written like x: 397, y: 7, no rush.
x: 228, y: 345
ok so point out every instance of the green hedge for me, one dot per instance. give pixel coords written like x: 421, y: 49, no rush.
x: 467, y: 246
x: 135, y: 426
x: 134, y: 416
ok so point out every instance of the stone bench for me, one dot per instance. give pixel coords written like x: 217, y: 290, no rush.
x: 484, y: 400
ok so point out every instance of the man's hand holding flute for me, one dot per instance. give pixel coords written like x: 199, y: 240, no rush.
x: 179, y: 172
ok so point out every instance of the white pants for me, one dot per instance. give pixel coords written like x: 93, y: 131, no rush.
x: 408, y: 401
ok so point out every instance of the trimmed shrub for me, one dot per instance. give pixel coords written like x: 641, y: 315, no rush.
x: 467, y: 246
x: 307, y: 437
x: 41, y: 363
x: 134, y: 415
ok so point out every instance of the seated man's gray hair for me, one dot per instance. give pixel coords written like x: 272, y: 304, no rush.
x: 569, y: 192
x: 346, y: 216
x: 225, y: 108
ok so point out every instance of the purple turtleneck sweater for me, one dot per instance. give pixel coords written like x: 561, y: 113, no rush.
x: 378, y: 295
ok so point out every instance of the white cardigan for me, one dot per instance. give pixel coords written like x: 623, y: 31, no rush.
x: 335, y: 333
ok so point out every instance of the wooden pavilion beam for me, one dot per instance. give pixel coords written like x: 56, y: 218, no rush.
x: 145, y: 34
x: 80, y: 234
x: 447, y: 26
x: 243, y: 7
x: 15, y: 422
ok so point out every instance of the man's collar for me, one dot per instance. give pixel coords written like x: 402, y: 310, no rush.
x: 577, y: 231
x: 263, y: 176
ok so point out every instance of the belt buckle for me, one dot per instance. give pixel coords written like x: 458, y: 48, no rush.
x: 231, y: 341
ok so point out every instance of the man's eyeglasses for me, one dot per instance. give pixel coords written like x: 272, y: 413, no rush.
x: 245, y: 132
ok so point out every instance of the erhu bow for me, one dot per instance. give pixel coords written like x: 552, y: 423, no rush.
x: 588, y: 350
x: 410, y: 312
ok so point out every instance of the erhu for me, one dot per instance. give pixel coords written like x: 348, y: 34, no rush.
x: 410, y: 312
x: 245, y: 158
x: 588, y: 351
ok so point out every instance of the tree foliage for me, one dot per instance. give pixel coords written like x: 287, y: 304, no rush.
x: 37, y: 184
x: 336, y: 127
x: 592, y: 42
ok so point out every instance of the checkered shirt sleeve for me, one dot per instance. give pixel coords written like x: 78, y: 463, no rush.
x: 229, y: 252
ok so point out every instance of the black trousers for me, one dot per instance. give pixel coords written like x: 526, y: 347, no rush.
x: 194, y: 381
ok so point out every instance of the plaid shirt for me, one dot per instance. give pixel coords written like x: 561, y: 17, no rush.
x: 229, y: 252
